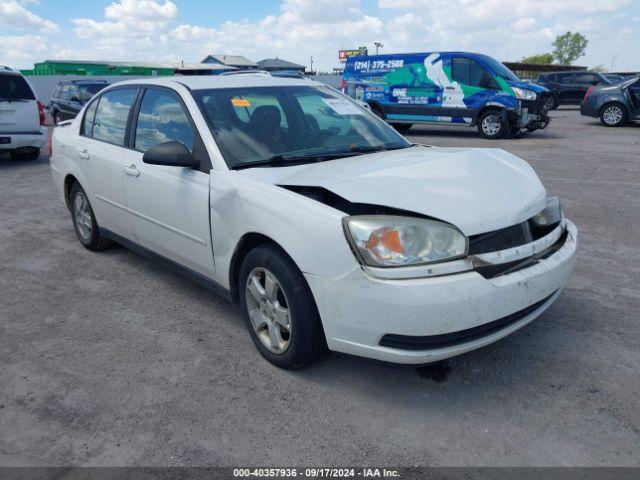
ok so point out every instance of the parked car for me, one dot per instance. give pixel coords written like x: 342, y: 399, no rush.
x: 615, y: 104
x: 22, y: 118
x: 449, y: 88
x: 328, y: 227
x: 568, y: 88
x: 70, y: 96
x: 614, y: 77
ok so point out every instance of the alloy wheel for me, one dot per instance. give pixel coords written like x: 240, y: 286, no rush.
x: 612, y: 115
x: 268, y: 310
x: 82, y: 215
x: 491, y: 125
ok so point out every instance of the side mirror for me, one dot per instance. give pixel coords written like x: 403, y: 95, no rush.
x: 170, y: 154
x: 75, y: 98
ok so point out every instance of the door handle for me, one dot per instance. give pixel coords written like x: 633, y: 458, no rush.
x: 132, y: 170
x: 84, y: 154
x: 449, y: 88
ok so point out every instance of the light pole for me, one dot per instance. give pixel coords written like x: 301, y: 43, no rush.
x: 378, y: 45
x: 613, y: 59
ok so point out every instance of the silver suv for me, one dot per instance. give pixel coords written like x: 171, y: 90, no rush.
x: 22, y: 118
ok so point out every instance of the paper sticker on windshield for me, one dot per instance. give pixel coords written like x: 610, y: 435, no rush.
x: 240, y: 102
x: 342, y: 107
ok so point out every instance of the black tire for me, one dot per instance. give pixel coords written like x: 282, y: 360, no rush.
x: 56, y: 117
x: 306, y: 340
x: 402, y: 127
x: 608, y: 120
x: 491, y: 133
x: 94, y: 241
x: 377, y: 109
x: 551, y: 102
x: 25, y: 155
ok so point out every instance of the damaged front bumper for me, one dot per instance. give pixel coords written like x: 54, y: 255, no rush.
x: 427, y: 319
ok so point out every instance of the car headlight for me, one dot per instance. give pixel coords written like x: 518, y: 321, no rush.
x: 552, y: 213
x: 393, y: 241
x: 524, y: 94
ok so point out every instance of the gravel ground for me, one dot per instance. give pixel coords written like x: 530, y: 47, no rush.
x: 107, y: 359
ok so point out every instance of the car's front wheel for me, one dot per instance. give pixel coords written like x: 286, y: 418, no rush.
x: 613, y: 115
x: 402, y: 127
x: 279, y: 309
x: 56, y: 117
x: 491, y: 124
x: 84, y: 221
x: 551, y: 102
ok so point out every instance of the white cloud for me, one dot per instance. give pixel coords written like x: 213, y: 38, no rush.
x: 14, y: 15
x: 134, y: 10
x: 21, y: 47
x: 298, y: 29
x: 128, y: 19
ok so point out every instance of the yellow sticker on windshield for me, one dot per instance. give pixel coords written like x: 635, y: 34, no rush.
x: 240, y: 102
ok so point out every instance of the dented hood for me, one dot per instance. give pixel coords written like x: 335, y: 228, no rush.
x: 476, y: 189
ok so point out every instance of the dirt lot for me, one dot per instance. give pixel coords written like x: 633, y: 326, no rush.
x: 107, y: 359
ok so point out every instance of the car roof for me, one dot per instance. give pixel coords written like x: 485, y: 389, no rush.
x: 202, y: 82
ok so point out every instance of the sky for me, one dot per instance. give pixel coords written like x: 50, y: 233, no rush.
x: 296, y: 30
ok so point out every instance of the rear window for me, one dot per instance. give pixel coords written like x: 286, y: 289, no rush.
x: 14, y: 87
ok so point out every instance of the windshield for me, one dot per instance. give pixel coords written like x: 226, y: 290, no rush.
x: 499, y: 69
x: 291, y: 124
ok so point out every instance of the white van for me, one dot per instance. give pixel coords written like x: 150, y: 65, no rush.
x: 22, y: 130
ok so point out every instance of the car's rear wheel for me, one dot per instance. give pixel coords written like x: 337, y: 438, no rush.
x: 56, y: 117
x: 84, y: 221
x: 279, y: 309
x: 26, y: 155
x: 613, y: 115
x: 492, y: 125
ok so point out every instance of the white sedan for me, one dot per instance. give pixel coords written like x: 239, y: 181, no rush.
x: 329, y: 228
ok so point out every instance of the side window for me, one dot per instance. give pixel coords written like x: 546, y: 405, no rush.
x: 162, y: 119
x: 64, y: 92
x: 111, y: 116
x: 73, y: 92
x: 566, y: 78
x: 87, y: 122
x: 585, y: 78
x: 479, y: 77
x: 460, y: 70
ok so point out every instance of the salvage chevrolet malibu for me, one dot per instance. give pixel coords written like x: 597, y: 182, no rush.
x: 329, y: 228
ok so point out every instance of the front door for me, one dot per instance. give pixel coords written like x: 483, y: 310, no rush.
x: 169, y: 206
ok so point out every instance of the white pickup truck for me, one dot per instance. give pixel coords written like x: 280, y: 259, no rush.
x: 22, y: 118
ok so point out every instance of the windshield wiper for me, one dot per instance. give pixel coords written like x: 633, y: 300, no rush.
x: 274, y: 160
x: 279, y: 160
x: 7, y: 99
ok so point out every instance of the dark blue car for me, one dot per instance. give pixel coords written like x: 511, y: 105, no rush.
x: 614, y: 104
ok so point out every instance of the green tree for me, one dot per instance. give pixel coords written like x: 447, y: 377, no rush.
x: 539, y: 59
x: 569, y: 47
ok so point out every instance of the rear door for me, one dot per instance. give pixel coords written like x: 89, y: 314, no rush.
x: 169, y: 206
x: 582, y: 83
x: 101, y: 151
x: 18, y: 105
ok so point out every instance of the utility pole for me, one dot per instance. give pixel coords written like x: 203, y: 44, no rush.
x: 311, y: 64
x: 378, y: 45
x: 613, y: 59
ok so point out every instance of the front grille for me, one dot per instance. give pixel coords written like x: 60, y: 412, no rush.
x: 536, y: 107
x: 407, y: 342
x: 509, y: 237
